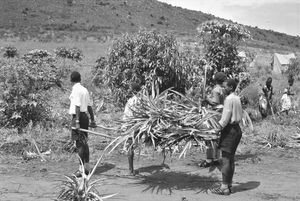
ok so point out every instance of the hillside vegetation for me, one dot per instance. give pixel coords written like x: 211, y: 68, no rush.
x: 50, y: 20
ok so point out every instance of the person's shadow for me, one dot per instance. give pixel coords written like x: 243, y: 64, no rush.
x: 161, y: 180
x: 245, y: 186
x: 104, y: 168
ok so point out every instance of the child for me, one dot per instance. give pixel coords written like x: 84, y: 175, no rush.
x: 286, y: 102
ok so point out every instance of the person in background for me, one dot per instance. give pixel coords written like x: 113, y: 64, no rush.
x: 286, y: 102
x: 216, y: 101
x: 128, y: 113
x: 79, y: 106
x: 265, y: 102
x: 230, y: 136
x: 286, y: 99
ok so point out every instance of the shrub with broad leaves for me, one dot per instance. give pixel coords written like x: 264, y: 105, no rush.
x: 74, y: 53
x: 10, y: 52
x: 145, y: 58
x: 38, y: 56
x: 24, y: 92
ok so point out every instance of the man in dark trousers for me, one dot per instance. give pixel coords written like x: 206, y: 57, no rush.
x: 230, y: 136
x: 79, y: 106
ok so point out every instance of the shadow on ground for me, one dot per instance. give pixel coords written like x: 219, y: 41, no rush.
x: 245, y: 186
x: 162, y: 180
x: 248, y: 158
x: 104, y: 168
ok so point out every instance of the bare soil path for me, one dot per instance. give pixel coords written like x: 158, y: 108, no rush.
x: 269, y: 176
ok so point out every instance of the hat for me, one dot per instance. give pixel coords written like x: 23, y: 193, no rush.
x: 220, y: 76
x: 285, y: 90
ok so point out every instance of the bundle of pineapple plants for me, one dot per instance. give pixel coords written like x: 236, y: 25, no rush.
x: 167, y: 119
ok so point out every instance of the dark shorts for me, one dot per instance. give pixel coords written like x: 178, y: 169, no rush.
x: 230, y: 138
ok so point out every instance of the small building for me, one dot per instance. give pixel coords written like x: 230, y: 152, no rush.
x: 280, y: 62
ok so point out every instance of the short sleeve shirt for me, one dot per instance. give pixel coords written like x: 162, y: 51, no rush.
x: 232, y: 111
x: 79, y: 97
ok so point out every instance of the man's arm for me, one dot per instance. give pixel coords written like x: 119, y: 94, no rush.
x: 91, y: 112
x: 226, y: 114
x: 77, y: 110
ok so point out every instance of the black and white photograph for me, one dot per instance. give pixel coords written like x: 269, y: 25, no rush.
x: 149, y: 100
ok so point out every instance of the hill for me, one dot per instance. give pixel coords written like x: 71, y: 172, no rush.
x: 59, y: 19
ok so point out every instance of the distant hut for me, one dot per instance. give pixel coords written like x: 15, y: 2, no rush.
x: 280, y: 62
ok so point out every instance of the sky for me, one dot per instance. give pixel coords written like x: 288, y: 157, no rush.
x: 278, y: 15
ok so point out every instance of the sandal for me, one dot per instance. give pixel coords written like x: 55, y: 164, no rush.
x: 205, y: 164
x: 220, y: 191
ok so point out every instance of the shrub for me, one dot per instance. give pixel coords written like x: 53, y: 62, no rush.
x: 10, y: 52
x: 73, y: 54
x: 24, y: 89
x: 38, y: 56
x: 143, y: 58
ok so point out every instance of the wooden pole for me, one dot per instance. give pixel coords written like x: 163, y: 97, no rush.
x: 93, y: 132
x: 204, y: 82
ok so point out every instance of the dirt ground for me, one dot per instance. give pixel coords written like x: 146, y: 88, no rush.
x: 270, y: 175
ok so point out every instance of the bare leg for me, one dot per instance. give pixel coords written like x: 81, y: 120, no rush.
x: 130, y: 155
x: 163, y: 151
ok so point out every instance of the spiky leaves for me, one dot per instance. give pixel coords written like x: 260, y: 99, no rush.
x: 166, y: 120
x: 82, y: 188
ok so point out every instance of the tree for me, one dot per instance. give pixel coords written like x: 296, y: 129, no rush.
x: 220, y: 40
x: 143, y: 58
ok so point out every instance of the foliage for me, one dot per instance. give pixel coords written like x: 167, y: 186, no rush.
x: 221, y: 40
x: 192, y: 63
x: 74, y: 53
x: 82, y: 188
x: 166, y: 122
x: 38, y: 56
x: 10, y: 52
x: 24, y: 89
x: 141, y: 58
x: 294, y: 68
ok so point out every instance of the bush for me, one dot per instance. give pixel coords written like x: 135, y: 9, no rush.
x: 10, y: 52
x: 143, y: 58
x: 24, y: 89
x: 37, y: 56
x: 73, y: 54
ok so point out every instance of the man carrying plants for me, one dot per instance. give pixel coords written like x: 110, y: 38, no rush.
x: 128, y: 113
x: 215, y: 100
x: 79, y: 106
x: 230, y: 136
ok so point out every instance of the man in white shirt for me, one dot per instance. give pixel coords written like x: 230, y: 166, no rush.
x: 230, y: 137
x: 79, y: 106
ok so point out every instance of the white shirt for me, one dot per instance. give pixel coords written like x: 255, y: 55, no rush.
x: 232, y: 111
x: 286, y: 102
x: 79, y: 97
x: 129, y: 107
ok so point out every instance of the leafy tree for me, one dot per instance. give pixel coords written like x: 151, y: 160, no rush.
x: 220, y: 40
x: 143, y: 58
